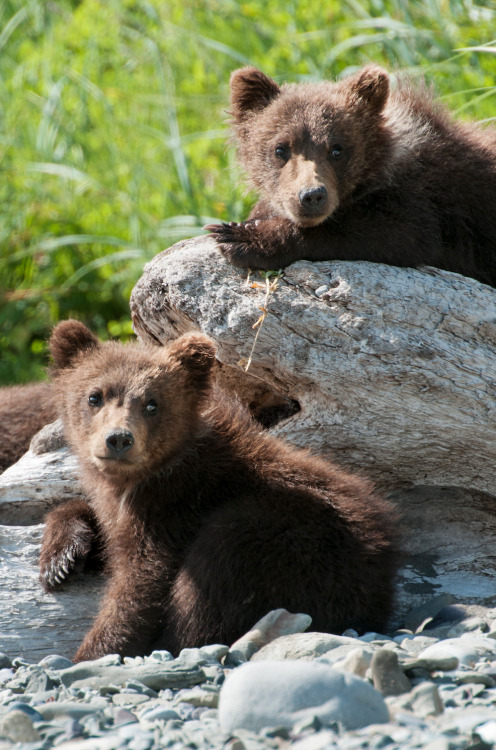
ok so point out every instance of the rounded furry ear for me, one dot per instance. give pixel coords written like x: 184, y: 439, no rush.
x: 251, y: 91
x: 69, y: 338
x: 371, y: 85
x: 195, y: 352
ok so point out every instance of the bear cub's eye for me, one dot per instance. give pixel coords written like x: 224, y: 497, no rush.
x: 95, y: 399
x: 151, y: 407
x: 336, y: 151
x: 282, y: 151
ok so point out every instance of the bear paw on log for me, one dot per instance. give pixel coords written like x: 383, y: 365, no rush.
x: 390, y: 371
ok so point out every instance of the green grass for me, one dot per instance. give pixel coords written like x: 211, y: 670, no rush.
x: 113, y: 129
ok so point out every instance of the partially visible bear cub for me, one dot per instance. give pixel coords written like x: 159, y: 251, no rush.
x: 207, y: 522
x: 355, y: 170
x: 24, y: 410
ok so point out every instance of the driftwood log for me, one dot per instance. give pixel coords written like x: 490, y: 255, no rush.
x: 391, y: 372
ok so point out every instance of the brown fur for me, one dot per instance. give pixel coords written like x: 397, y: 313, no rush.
x: 354, y: 171
x: 24, y: 410
x: 207, y: 522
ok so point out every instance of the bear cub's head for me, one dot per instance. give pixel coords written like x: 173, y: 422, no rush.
x: 307, y: 147
x: 129, y: 409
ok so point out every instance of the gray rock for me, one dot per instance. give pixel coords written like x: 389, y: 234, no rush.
x: 216, y: 651
x: 432, y: 664
x: 318, y: 741
x: 33, y: 714
x: 487, y: 732
x: 468, y: 649
x: 424, y: 700
x: 123, y: 717
x: 72, y: 710
x: 469, y: 625
x: 55, y: 662
x: 207, y: 696
x: 39, y: 681
x: 5, y: 662
x: 440, y: 743
x: 417, y: 644
x: 357, y: 661
x: 17, y: 726
x: 159, y: 713
x: 465, y: 721
x: 129, y: 699
x: 6, y: 675
x: 387, y: 675
x: 475, y: 678
x: 372, y: 637
x: 306, y: 646
x: 277, y: 623
x: 282, y: 694
x: 157, y: 675
x: 427, y: 611
x: 157, y: 655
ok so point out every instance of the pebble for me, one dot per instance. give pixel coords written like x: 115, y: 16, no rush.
x: 468, y: 649
x: 357, y: 661
x: 159, y: 713
x: 387, y: 675
x: 487, y: 732
x: 305, y: 646
x: 159, y: 701
x: 54, y: 661
x: 417, y: 617
x: 17, y: 726
x: 277, y: 623
x: 424, y: 700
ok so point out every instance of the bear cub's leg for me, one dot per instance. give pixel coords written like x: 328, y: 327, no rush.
x: 70, y: 535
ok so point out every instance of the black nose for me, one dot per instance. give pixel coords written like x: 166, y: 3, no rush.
x: 313, y: 199
x: 119, y: 442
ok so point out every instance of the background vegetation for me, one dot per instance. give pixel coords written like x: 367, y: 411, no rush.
x: 113, y: 129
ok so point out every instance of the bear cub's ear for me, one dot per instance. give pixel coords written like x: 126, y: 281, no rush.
x: 195, y: 352
x: 68, y: 339
x: 371, y: 85
x: 251, y: 91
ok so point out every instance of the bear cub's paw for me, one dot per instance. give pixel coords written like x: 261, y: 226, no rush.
x: 238, y: 243
x: 67, y: 543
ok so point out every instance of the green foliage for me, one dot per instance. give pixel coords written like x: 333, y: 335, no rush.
x: 113, y: 129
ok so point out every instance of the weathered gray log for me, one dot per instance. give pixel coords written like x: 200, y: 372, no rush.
x: 394, y: 369
x: 34, y: 623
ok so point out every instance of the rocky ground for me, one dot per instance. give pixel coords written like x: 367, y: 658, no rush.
x: 429, y: 685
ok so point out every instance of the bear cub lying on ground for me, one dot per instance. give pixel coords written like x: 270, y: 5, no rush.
x: 355, y: 171
x: 207, y: 523
x: 24, y: 410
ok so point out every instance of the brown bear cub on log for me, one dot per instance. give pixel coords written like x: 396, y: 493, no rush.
x: 356, y: 171
x: 207, y: 522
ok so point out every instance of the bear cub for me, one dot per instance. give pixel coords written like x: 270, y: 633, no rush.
x: 206, y: 522
x: 24, y: 410
x: 355, y: 170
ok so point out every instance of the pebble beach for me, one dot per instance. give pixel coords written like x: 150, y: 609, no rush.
x: 431, y: 685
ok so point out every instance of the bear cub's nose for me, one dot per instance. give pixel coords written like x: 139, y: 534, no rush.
x: 119, y: 442
x: 313, y: 199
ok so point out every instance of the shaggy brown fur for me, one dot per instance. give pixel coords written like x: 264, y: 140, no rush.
x: 354, y: 171
x: 207, y: 522
x: 24, y: 410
